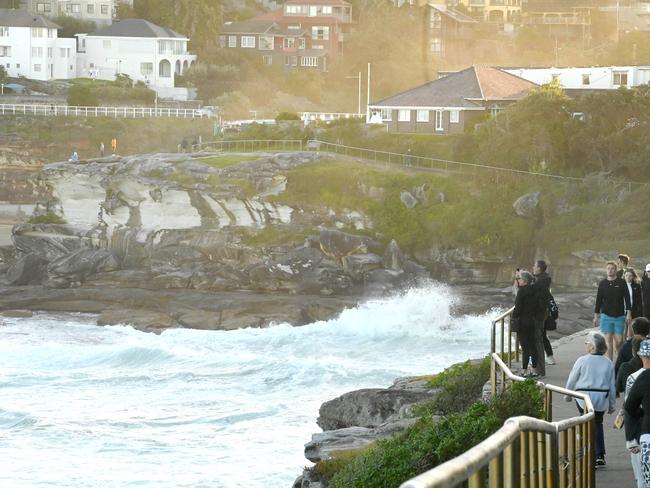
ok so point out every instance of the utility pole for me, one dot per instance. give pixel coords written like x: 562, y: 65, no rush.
x: 368, y: 96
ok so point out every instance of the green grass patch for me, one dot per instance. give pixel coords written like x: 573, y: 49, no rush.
x: 48, y: 218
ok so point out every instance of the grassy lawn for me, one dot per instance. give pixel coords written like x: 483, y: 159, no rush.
x: 226, y: 160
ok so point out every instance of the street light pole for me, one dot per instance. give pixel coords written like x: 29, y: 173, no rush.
x: 368, y: 97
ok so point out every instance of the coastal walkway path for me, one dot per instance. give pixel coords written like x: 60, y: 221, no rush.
x: 618, y: 472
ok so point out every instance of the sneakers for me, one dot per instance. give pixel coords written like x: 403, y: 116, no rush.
x: 550, y: 360
x: 600, y: 462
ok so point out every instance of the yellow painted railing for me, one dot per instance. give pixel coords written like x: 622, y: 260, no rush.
x: 525, y: 452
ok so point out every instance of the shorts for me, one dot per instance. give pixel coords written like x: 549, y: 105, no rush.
x: 612, y: 325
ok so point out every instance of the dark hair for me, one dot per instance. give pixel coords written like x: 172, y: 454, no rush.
x: 636, y: 343
x: 641, y: 326
x: 541, y: 264
x: 624, y: 258
x: 635, y: 277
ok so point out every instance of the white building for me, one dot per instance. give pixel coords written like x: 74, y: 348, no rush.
x: 99, y: 11
x: 137, y: 48
x: 587, y: 78
x: 30, y: 47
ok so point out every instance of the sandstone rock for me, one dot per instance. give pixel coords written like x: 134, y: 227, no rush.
x: 49, y: 241
x: 393, y: 256
x: 369, y: 407
x: 360, y: 264
x: 527, y: 206
x: 27, y: 270
x: 145, y: 320
x: 78, y: 265
x: 407, y: 198
x: 383, y: 281
x: 18, y: 314
x: 336, y: 244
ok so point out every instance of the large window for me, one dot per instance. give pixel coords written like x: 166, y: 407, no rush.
x: 386, y: 114
x: 4, y: 31
x: 5, y: 51
x: 266, y: 43
x: 454, y: 116
x: 90, y: 8
x: 289, y: 43
x: 146, y: 69
x: 439, y: 126
x: 295, y: 9
x: 321, y: 33
x: 104, y: 9
x: 311, y: 61
x: 232, y: 41
x: 165, y: 69
x: 620, y: 78
x: 38, y: 32
x: 73, y: 8
x: 404, y: 115
x: 248, y: 42
x: 267, y: 59
x: 423, y: 116
x: 43, y: 8
x: 37, y: 52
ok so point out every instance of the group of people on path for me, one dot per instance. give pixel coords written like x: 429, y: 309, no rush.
x: 622, y: 313
x: 74, y: 157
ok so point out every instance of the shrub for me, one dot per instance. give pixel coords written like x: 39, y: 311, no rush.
x: 287, y: 116
x: 48, y: 218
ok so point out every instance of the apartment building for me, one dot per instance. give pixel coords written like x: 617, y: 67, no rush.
x: 302, y: 34
x: 30, y: 47
x: 99, y: 11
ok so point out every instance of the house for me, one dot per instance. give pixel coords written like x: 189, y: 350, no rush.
x: 451, y: 32
x: 301, y: 34
x: 30, y: 47
x: 448, y: 104
x: 144, y: 51
x: 99, y: 11
x: 587, y: 79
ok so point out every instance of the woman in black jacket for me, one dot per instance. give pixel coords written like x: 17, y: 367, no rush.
x: 634, y: 290
x: 526, y: 306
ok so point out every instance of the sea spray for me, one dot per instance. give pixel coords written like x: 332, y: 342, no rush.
x: 91, y: 406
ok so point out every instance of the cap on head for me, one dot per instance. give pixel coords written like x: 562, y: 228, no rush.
x: 644, y: 349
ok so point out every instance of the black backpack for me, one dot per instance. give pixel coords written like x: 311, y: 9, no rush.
x: 553, y: 311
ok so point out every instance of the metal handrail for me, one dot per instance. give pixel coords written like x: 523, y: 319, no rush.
x: 427, y: 163
x: 525, y: 452
x: 45, y: 110
x: 251, y: 145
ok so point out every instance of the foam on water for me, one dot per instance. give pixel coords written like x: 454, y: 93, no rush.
x: 82, y: 405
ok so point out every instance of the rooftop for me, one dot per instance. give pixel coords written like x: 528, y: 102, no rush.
x: 21, y: 18
x: 136, y: 28
x: 317, y: 2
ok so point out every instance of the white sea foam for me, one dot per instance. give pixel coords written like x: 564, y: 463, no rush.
x: 90, y: 406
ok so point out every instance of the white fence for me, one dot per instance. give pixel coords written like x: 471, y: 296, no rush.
x: 44, y: 110
x: 327, y: 116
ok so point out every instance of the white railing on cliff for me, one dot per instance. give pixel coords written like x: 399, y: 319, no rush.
x: 525, y: 452
x: 44, y: 110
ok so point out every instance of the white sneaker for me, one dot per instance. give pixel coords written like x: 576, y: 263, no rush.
x: 550, y: 360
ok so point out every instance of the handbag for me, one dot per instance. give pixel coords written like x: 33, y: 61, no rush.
x: 550, y: 324
x: 619, y: 421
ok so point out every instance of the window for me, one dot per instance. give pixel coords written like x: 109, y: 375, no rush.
x: 49, y: 52
x: 90, y: 8
x: 266, y: 43
x: 439, y: 126
x: 620, y: 78
x: 327, y: 10
x: 289, y: 43
x: 4, y: 31
x: 50, y: 33
x: 63, y: 52
x: 436, y: 45
x: 248, y: 42
x: 104, y: 9
x: 386, y: 114
x: 43, y: 8
x: 232, y: 41
x: 267, y: 59
x: 37, y: 68
x: 165, y: 69
x: 106, y: 44
x: 287, y: 60
x: 5, y: 51
x: 295, y: 10
x: 404, y: 115
x: 454, y: 116
x: 73, y: 8
x: 294, y: 60
x: 37, y: 52
x: 311, y: 61
x: 301, y: 43
x: 146, y: 69
x: 37, y: 32
x: 436, y: 20
x: 423, y: 116
x: 586, y: 79
x: 321, y: 33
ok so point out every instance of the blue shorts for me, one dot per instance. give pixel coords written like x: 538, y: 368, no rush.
x: 612, y: 325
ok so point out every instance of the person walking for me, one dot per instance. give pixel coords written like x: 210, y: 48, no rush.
x: 640, y: 327
x: 623, y: 263
x: 542, y: 286
x: 633, y: 425
x: 593, y: 374
x: 524, y: 314
x: 636, y: 295
x: 114, y: 145
x: 629, y: 367
x: 645, y: 291
x: 101, y: 149
x: 612, y: 309
x: 636, y: 403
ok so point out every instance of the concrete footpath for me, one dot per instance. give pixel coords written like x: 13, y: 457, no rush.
x: 618, y: 472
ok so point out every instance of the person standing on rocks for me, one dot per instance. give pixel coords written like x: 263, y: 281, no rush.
x: 542, y: 286
x: 612, y: 309
x: 645, y: 291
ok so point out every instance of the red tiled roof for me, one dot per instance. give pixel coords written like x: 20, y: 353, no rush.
x: 496, y: 84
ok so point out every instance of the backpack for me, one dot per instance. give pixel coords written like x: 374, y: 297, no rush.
x: 553, y: 311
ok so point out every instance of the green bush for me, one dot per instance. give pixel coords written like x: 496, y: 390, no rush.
x: 287, y: 116
x: 426, y: 444
x: 48, y: 218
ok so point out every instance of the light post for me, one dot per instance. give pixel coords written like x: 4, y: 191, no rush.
x: 358, y: 77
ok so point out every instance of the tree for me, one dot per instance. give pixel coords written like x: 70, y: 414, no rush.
x: 3, y: 75
x: 71, y: 26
